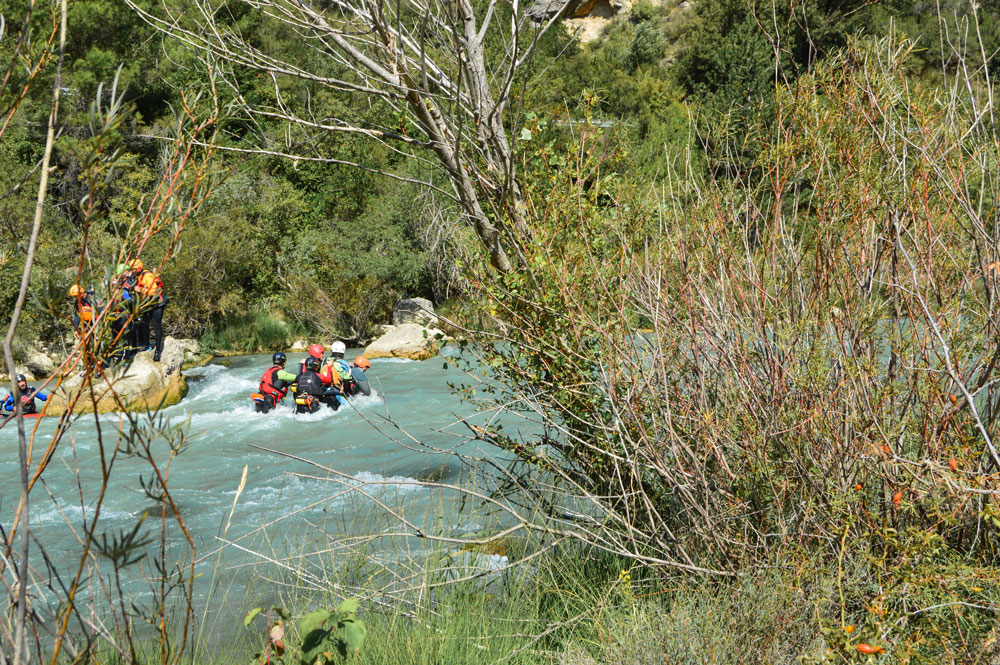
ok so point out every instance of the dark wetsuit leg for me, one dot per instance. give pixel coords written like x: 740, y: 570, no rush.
x: 156, y: 321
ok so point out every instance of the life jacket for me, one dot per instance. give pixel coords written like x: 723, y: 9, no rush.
x: 309, y: 383
x: 150, y: 285
x: 28, y: 401
x: 325, y: 370
x: 343, y: 368
x: 85, y: 310
x: 270, y: 384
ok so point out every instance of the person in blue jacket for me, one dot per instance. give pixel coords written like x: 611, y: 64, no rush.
x: 28, y: 396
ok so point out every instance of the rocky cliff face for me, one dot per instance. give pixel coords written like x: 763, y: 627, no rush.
x: 543, y: 10
x: 587, y: 18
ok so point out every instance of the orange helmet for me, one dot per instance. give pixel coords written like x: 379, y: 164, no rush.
x: 317, y: 350
x: 76, y: 291
x: 362, y: 362
x: 135, y: 264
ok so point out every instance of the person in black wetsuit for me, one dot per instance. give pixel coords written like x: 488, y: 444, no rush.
x: 310, y: 390
x: 274, y: 384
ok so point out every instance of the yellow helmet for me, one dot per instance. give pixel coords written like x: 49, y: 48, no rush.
x: 135, y: 264
x: 76, y: 291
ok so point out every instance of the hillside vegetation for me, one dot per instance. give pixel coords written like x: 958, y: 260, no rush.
x: 740, y: 269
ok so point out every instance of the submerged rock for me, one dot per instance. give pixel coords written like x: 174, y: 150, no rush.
x: 140, y: 384
x: 408, y: 340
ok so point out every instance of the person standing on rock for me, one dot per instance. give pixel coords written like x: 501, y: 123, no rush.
x: 125, y: 317
x: 28, y: 396
x: 84, y: 310
x: 149, y: 287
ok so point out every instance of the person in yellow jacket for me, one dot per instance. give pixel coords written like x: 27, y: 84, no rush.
x: 149, y: 289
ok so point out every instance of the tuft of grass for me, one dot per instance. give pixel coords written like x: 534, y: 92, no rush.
x: 252, y: 332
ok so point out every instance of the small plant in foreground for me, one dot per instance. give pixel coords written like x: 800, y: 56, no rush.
x: 326, y: 637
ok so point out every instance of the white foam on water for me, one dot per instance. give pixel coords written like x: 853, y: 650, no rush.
x: 206, y: 371
x: 401, y: 483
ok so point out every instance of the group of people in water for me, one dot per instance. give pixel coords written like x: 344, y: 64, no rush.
x: 134, y: 317
x: 318, y: 381
x: 138, y: 314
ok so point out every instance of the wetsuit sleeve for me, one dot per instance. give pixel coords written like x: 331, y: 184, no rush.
x: 361, y: 380
x: 327, y: 375
x: 76, y: 319
x: 282, y: 375
x: 40, y: 395
x: 8, y: 402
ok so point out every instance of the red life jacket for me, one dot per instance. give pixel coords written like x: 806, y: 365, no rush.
x: 270, y: 385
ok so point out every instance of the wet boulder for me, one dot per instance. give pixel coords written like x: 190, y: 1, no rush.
x: 408, y: 340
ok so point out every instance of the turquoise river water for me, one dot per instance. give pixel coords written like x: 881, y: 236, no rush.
x: 382, y: 448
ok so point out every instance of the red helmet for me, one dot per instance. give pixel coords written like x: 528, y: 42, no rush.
x: 317, y: 350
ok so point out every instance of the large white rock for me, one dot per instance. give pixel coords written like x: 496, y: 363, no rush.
x: 39, y: 363
x: 140, y: 384
x: 414, y: 310
x: 408, y: 340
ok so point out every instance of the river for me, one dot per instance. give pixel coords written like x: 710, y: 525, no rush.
x: 385, y: 445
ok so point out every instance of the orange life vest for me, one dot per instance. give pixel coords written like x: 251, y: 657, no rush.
x: 149, y: 285
x: 84, y: 309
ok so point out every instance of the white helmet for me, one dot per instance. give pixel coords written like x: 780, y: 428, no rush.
x: 338, y: 347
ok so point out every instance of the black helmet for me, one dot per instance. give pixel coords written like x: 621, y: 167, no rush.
x: 279, y: 358
x: 312, y: 364
x: 20, y: 378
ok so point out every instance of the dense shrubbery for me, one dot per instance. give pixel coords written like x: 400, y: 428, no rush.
x: 816, y: 386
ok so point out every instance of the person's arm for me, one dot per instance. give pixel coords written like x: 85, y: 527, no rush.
x: 282, y: 375
x: 8, y: 402
x: 42, y: 396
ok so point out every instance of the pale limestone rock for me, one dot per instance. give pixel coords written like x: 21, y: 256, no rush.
x: 408, y: 340
x: 299, y: 345
x: 39, y: 363
x: 140, y: 384
x: 414, y: 310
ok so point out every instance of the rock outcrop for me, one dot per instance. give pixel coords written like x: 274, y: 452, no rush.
x: 586, y: 18
x: 39, y: 363
x: 139, y: 383
x: 414, y: 310
x: 544, y: 10
x: 408, y: 340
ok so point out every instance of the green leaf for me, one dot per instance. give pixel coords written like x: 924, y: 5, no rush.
x: 312, y: 621
x: 354, y: 634
x: 349, y: 606
x: 251, y: 615
x: 525, y: 134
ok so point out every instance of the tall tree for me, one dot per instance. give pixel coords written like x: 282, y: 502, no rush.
x: 448, y: 72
